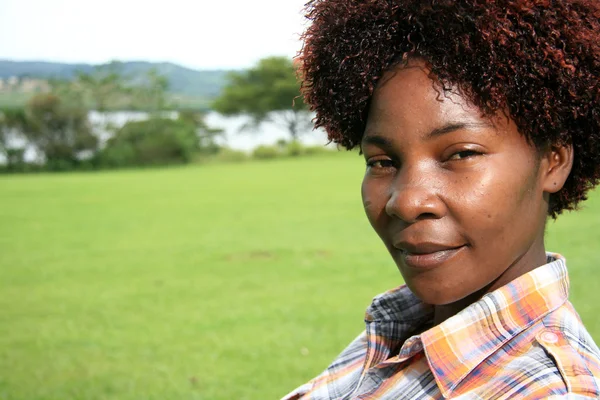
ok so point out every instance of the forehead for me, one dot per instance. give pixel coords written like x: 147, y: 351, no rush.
x: 408, y: 97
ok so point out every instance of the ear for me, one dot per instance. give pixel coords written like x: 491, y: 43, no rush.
x: 556, y: 166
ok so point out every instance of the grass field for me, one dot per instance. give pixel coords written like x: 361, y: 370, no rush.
x: 215, y: 282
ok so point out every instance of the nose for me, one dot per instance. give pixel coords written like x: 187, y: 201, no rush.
x: 415, y: 195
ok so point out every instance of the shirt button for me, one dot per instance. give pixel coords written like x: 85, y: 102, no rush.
x: 549, y: 337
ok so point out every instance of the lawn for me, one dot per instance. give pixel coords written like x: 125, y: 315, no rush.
x: 213, y: 282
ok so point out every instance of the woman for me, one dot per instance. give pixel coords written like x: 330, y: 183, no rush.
x: 477, y: 120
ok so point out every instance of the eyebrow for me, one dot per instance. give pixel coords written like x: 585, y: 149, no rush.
x: 378, y: 140
x: 455, y: 126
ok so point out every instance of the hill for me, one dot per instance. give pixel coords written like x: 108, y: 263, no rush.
x: 182, y: 81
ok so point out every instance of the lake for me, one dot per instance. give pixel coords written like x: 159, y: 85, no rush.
x: 233, y: 137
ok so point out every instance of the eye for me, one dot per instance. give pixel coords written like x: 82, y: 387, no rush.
x: 463, y: 154
x: 381, y: 164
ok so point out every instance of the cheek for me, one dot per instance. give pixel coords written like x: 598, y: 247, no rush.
x: 501, y: 205
x: 374, y: 198
x: 488, y: 195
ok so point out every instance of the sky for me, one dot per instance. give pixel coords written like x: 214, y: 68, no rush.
x: 199, y: 34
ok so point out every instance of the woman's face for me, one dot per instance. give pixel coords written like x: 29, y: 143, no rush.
x: 457, y: 198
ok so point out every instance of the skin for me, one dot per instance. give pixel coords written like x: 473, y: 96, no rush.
x: 459, y: 200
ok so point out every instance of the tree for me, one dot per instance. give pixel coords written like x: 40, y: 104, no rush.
x: 11, y: 120
x: 56, y: 123
x: 270, y: 91
x: 150, y: 93
x: 60, y: 132
x: 108, y: 88
x: 104, y: 88
x: 206, y: 135
x: 156, y: 141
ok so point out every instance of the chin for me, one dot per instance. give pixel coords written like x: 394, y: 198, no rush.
x: 429, y: 294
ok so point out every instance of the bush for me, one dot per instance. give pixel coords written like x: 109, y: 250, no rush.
x: 210, y: 149
x: 156, y: 141
x: 313, y: 150
x: 58, y: 128
x: 295, y: 149
x: 266, y: 152
x: 15, y: 159
x: 117, y: 155
x: 60, y: 164
x: 86, y: 165
x: 281, y: 143
x: 230, y: 155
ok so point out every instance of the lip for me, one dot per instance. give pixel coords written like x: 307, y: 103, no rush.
x: 427, y: 255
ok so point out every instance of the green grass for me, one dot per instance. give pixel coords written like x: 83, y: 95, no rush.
x: 211, y: 282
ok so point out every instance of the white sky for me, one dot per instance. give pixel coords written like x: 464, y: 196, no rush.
x: 201, y: 34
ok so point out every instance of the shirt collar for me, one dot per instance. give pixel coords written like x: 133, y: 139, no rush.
x: 458, y: 345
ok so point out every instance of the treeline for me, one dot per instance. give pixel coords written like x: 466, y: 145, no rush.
x: 56, y: 124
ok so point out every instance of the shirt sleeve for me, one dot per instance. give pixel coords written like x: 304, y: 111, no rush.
x: 353, y: 354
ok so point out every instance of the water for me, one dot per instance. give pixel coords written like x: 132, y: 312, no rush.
x: 233, y: 137
x: 266, y: 134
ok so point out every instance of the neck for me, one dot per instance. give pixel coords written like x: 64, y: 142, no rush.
x: 530, y: 260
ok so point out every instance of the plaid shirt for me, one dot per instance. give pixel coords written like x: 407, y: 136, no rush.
x: 522, y: 341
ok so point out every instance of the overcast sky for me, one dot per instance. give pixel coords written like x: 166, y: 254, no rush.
x: 199, y: 34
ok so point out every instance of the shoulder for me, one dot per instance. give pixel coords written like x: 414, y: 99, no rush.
x: 555, y: 358
x: 576, y: 356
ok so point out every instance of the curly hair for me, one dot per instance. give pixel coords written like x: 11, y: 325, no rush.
x: 537, y: 59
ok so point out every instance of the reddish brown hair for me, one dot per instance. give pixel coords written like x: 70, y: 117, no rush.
x: 538, y: 59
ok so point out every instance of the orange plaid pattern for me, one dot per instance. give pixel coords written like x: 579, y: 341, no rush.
x: 522, y: 341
